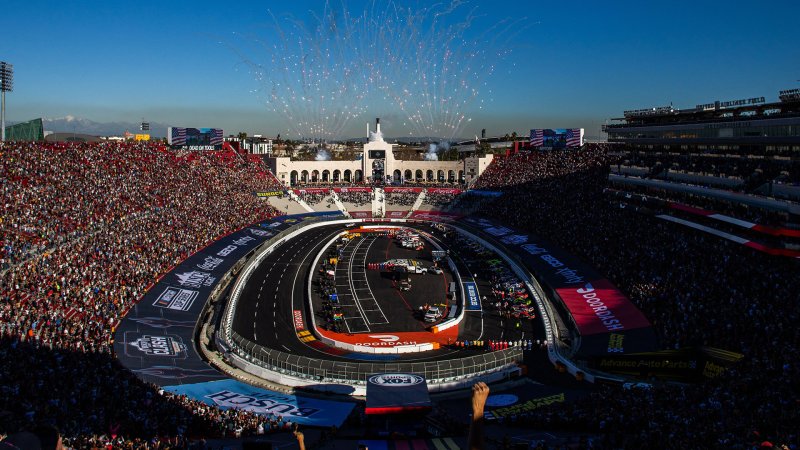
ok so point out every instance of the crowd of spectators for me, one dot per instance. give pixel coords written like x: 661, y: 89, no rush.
x: 738, y: 166
x: 356, y: 198
x: 696, y: 289
x: 401, y: 198
x: 727, y: 207
x: 86, y: 229
x: 314, y: 197
x: 439, y: 199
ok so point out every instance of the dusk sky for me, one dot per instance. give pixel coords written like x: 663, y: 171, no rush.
x: 572, y: 64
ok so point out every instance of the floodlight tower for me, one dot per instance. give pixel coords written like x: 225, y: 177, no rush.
x: 6, y: 85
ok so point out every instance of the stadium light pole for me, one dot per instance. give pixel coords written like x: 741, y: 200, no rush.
x: 6, y: 85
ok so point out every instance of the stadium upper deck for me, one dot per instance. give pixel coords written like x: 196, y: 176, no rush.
x: 748, y: 123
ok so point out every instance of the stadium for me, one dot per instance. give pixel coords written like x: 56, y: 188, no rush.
x: 547, y: 290
x: 287, y: 300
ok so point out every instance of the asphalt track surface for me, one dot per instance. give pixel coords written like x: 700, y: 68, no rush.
x: 277, y: 288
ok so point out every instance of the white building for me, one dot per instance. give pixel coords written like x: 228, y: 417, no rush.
x: 376, y: 162
x: 256, y: 145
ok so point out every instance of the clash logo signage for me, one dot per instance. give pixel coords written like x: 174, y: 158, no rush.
x: 159, y: 345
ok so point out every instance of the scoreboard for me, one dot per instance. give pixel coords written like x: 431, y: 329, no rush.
x: 556, y: 137
x: 195, y: 138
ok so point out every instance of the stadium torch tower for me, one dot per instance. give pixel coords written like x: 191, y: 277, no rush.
x: 6, y: 85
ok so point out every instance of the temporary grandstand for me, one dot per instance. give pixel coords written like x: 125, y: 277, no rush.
x: 32, y: 130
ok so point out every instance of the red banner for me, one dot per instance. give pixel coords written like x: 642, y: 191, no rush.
x: 312, y: 191
x: 396, y: 214
x: 389, y: 190
x: 599, y: 307
x: 353, y: 189
x: 444, y: 191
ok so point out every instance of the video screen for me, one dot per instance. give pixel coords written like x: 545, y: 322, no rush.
x: 556, y: 137
x: 195, y: 138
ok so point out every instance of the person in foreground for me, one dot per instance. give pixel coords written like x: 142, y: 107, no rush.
x: 480, y: 391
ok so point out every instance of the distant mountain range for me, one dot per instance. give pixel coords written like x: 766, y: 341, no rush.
x: 72, y: 124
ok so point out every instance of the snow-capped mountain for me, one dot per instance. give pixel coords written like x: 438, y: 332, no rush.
x: 72, y: 124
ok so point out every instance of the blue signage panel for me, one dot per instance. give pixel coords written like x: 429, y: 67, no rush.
x: 232, y: 394
x: 473, y: 301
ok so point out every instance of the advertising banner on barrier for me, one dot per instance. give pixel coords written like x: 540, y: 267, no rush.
x: 154, y: 340
x: 606, y: 319
x: 232, y: 394
x: 686, y: 364
x: 311, y: 190
x: 473, y: 302
x: 361, y: 214
x: 262, y: 194
x: 481, y: 193
x: 434, y: 215
x: 396, y: 214
x: 352, y: 189
x: 444, y: 191
x: 390, y: 189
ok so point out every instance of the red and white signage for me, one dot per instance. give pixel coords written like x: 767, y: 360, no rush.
x: 453, y: 191
x: 298, y: 320
x: 599, y: 307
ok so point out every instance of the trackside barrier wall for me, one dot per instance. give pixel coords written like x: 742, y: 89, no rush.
x: 295, y: 370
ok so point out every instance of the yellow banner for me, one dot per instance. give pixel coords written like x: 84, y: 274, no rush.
x: 268, y: 193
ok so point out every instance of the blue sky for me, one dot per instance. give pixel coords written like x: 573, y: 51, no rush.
x: 574, y: 63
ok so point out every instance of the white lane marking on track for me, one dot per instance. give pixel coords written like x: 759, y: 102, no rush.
x: 287, y: 348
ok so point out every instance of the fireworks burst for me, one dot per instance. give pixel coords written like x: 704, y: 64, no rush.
x: 427, y: 62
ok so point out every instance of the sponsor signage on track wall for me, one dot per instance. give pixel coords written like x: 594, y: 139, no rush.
x: 453, y: 191
x: 389, y: 190
x: 312, y: 191
x: 473, y: 302
x: 352, y: 189
x: 232, y: 394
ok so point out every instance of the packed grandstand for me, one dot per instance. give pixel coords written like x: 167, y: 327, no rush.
x: 88, y: 228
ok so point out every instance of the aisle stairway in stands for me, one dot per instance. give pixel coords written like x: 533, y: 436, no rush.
x: 299, y: 201
x: 339, y: 204
x: 378, y: 202
x: 417, y: 204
